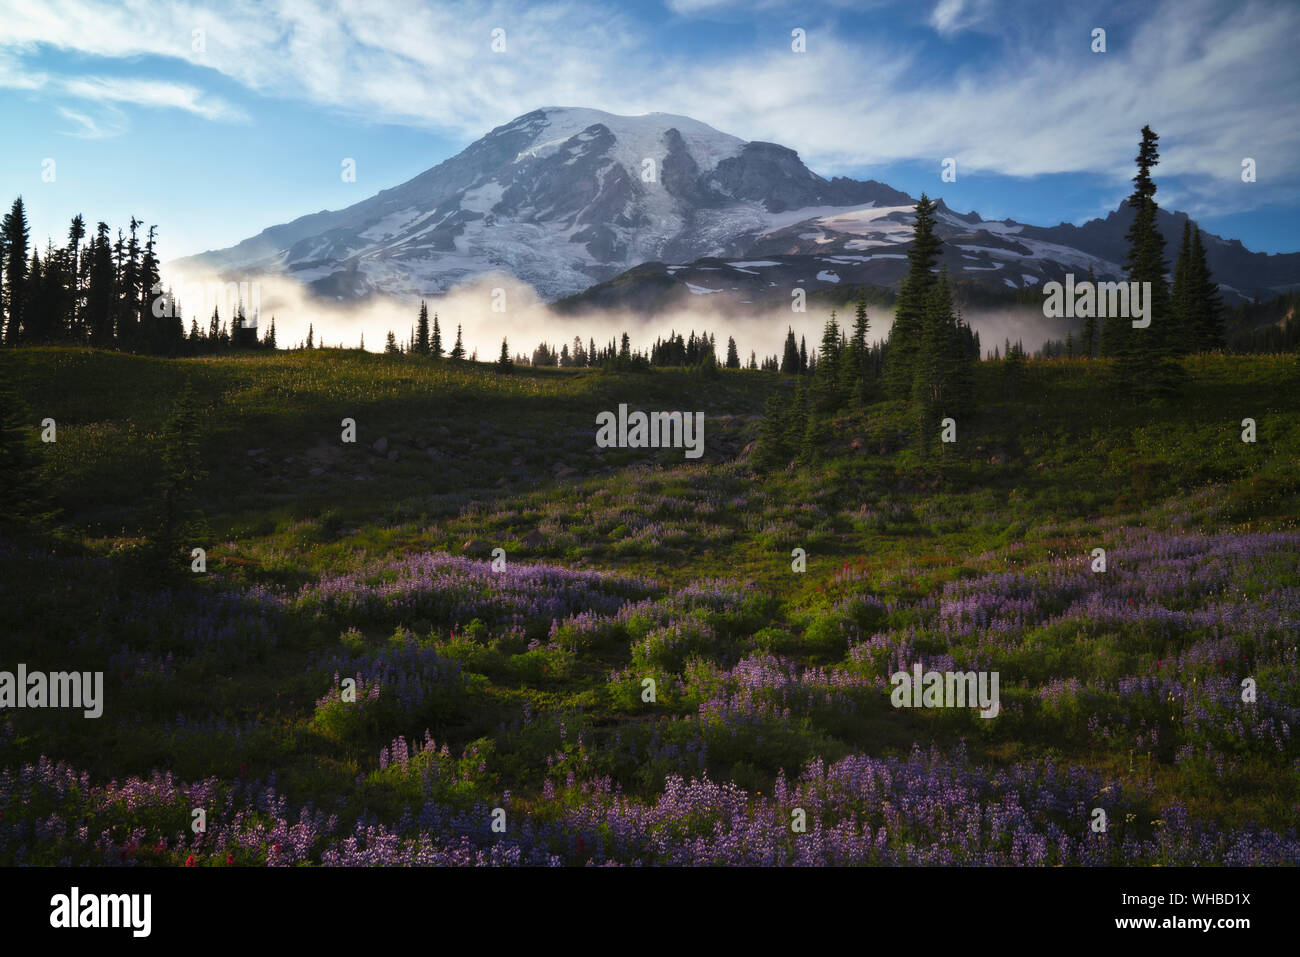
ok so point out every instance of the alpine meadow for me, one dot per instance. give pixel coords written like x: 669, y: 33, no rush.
x: 597, y: 486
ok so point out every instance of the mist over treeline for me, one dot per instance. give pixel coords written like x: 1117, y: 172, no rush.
x: 493, y: 307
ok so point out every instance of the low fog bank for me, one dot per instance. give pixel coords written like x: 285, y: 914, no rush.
x: 495, y: 306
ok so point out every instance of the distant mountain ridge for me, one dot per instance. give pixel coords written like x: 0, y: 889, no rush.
x: 568, y: 199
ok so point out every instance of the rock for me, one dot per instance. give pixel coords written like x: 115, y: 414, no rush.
x: 392, y: 455
x: 565, y: 473
x: 381, y: 445
x: 476, y: 547
x: 317, y: 471
x: 502, y: 482
x: 533, y: 539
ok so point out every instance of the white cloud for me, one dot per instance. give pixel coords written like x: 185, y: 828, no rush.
x: 1218, y: 82
x: 150, y: 93
x: 90, y: 128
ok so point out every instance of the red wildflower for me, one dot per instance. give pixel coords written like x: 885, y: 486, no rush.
x: 230, y: 859
x: 189, y: 861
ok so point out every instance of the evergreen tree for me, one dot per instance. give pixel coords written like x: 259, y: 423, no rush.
x: 13, y: 239
x: 99, y: 289
x: 390, y: 346
x: 1207, y: 314
x: 311, y: 335
x: 733, y: 357
x: 458, y: 350
x: 435, y: 344
x: 76, y: 233
x: 790, y: 361
x: 270, y: 336
x: 1144, y: 367
x: 504, y: 363
x: 824, y: 395
x: 912, y: 301
x: 421, y: 344
x: 857, y: 370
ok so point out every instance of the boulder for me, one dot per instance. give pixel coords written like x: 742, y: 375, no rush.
x: 476, y: 547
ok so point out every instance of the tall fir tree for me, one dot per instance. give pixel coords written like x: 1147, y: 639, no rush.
x: 857, y: 369
x: 421, y: 344
x: 733, y: 357
x: 1144, y: 364
x: 504, y: 362
x: 458, y: 350
x: 790, y: 360
x: 435, y: 342
x: 13, y: 297
x: 824, y: 396
x: 1207, y: 317
x: 911, y: 303
x: 76, y: 316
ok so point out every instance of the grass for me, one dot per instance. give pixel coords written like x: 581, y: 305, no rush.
x: 1039, y: 476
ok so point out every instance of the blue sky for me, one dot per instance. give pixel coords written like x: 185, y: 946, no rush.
x: 218, y: 139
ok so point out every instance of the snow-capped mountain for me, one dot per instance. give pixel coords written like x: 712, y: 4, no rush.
x: 566, y: 199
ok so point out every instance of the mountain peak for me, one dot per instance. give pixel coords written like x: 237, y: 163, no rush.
x: 566, y: 197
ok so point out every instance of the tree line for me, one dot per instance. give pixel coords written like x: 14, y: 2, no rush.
x: 102, y: 291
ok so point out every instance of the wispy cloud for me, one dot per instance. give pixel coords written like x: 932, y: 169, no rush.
x: 92, y: 128
x: 151, y: 93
